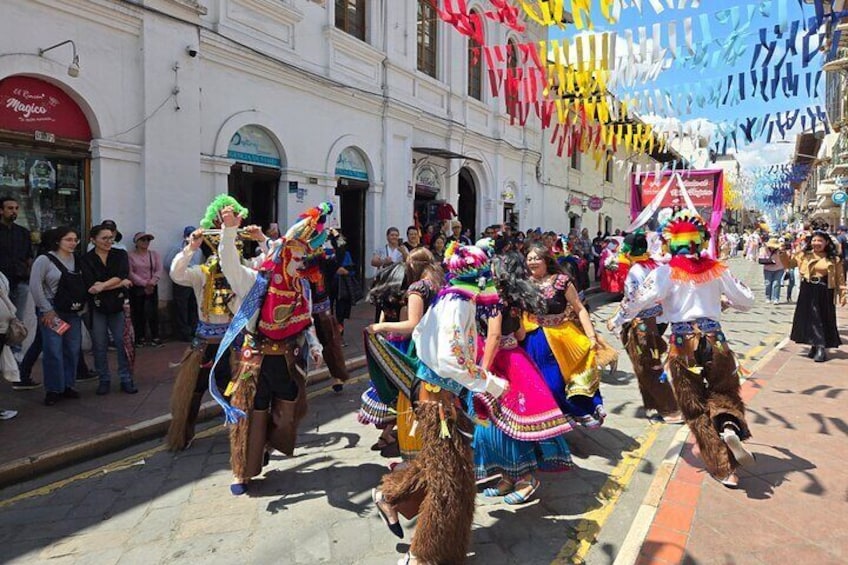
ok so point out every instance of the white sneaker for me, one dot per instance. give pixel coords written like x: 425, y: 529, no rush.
x: 8, y: 414
x: 734, y: 444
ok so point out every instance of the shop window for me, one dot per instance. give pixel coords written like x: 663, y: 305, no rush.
x: 350, y: 17
x: 50, y: 190
x: 427, y: 38
x: 475, y: 69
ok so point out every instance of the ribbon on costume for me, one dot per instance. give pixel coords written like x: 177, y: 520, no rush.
x: 249, y: 307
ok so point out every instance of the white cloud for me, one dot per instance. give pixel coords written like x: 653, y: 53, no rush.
x: 760, y: 153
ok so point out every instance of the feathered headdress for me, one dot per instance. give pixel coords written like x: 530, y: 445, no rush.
x: 212, y: 218
x: 683, y: 230
x: 309, y: 228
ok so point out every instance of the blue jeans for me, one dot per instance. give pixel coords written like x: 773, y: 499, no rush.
x: 101, y: 325
x: 773, y: 280
x: 790, y: 283
x: 61, y: 354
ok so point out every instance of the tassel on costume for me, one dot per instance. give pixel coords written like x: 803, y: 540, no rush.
x: 185, y: 384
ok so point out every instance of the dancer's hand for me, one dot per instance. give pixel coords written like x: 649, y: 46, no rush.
x: 254, y: 232
x: 610, y: 325
x: 229, y: 218
x: 196, y: 239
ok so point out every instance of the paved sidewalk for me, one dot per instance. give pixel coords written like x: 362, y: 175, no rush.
x: 791, y: 507
x: 42, y: 439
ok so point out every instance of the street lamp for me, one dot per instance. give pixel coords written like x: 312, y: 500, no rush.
x: 74, y: 67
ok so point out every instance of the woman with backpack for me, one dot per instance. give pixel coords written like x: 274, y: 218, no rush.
x: 60, y: 296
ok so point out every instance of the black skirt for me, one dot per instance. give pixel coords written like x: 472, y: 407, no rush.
x: 815, y: 316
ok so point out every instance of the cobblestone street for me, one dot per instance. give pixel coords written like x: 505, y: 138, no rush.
x: 150, y: 506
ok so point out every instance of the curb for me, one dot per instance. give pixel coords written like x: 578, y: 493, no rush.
x: 631, y: 547
x: 26, y: 468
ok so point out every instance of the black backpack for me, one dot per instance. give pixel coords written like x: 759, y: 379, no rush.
x: 71, y: 295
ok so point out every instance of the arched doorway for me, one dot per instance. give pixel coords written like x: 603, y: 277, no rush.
x: 255, y: 177
x: 44, y: 155
x: 351, y: 188
x: 467, y: 206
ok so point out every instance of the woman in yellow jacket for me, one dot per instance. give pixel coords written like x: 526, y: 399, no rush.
x: 822, y: 286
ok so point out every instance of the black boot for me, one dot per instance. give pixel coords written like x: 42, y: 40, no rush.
x: 812, y: 352
x: 821, y: 356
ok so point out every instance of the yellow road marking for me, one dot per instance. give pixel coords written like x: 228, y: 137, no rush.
x: 754, y: 351
x: 132, y: 459
x: 588, y: 528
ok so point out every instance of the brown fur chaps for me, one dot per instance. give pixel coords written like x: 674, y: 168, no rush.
x: 708, y: 396
x: 646, y: 348
x: 444, y: 472
x: 328, y: 334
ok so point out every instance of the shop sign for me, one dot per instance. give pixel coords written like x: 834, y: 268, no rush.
x: 351, y: 164
x: 839, y: 197
x: 427, y: 180
x: 575, y: 201
x: 252, y: 144
x: 33, y: 106
x: 596, y: 203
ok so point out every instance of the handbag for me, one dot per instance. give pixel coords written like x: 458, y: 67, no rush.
x: 17, y: 332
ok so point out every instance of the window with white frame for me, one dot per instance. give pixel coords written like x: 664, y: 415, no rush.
x: 608, y: 170
x: 575, y: 159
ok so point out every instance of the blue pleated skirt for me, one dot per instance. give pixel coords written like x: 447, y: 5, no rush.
x: 583, y: 409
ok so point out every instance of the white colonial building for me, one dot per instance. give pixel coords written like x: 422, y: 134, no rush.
x: 155, y: 106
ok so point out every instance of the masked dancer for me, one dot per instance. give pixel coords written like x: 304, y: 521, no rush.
x: 642, y: 337
x: 703, y: 369
x: 268, y: 390
x: 216, y: 304
x: 442, y: 476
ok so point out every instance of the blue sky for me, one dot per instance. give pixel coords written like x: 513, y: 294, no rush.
x: 683, y: 75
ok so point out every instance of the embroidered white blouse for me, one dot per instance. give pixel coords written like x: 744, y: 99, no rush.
x: 446, y: 342
x: 685, y: 301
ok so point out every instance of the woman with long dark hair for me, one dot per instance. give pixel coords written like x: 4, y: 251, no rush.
x: 822, y: 285
x: 394, y: 367
x: 59, y: 292
x: 387, y: 294
x: 563, y: 341
x: 522, y: 430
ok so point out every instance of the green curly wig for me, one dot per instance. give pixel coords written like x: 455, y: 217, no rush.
x: 221, y: 201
